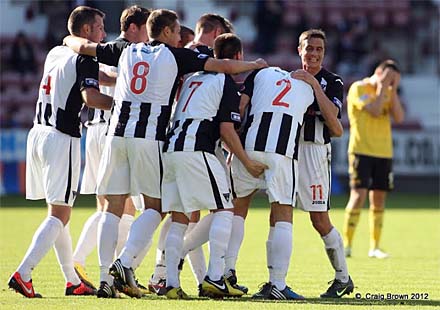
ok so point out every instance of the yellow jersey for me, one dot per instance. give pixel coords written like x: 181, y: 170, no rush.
x: 369, y: 135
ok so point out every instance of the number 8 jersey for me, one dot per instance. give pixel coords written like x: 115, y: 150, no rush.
x: 275, y: 115
x: 146, y: 85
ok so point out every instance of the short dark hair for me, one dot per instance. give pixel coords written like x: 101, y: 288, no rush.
x: 227, y: 45
x: 312, y: 33
x: 185, y: 33
x: 158, y: 20
x: 389, y: 63
x: 134, y: 14
x: 80, y: 16
x: 208, y: 22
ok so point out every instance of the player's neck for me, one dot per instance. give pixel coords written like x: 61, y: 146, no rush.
x: 312, y: 70
x: 203, y: 39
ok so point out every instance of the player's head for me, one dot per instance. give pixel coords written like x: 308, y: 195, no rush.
x: 228, y: 45
x: 209, y: 23
x: 134, y: 23
x: 163, y: 25
x: 386, y: 64
x: 311, y: 48
x: 88, y: 23
x: 186, y: 35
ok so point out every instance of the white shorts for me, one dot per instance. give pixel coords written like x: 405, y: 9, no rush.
x: 314, y: 177
x: 130, y: 166
x: 279, y: 180
x: 194, y: 181
x: 95, y: 141
x: 52, y: 166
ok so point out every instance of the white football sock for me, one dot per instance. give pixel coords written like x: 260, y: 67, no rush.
x: 124, y: 228
x: 237, y: 234
x: 160, y: 270
x: 173, y: 250
x: 335, y: 252
x: 88, y: 239
x: 108, y: 229
x: 196, y: 259
x: 140, y: 235
x: 219, y: 235
x: 269, y: 256
x: 138, y: 260
x: 63, y: 251
x: 199, y: 235
x: 281, y: 250
x: 43, y: 239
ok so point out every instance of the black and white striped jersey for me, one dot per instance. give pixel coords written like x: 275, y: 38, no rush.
x: 206, y: 100
x: 60, y: 102
x: 146, y: 85
x: 97, y: 116
x: 276, y: 111
x: 314, y: 129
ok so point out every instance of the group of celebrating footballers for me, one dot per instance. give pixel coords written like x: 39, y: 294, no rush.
x: 175, y: 111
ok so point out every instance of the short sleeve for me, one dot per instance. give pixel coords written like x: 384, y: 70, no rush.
x: 335, y: 92
x: 356, y: 98
x: 188, y: 60
x: 109, y: 53
x: 230, y: 103
x: 87, y: 72
x: 248, y: 86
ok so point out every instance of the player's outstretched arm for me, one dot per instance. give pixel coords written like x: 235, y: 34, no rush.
x: 107, y: 78
x: 231, y: 66
x: 81, y: 45
x: 230, y: 137
x: 94, y: 99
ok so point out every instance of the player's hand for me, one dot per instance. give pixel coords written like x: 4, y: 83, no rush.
x: 304, y: 76
x: 255, y: 168
x: 396, y: 80
x: 386, y: 77
x: 261, y: 63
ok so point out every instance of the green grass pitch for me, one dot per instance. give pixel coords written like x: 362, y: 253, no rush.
x: 411, y: 235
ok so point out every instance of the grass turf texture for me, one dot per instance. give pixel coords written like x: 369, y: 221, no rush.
x: 411, y: 235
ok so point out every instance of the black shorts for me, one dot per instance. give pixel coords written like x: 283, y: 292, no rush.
x: 370, y: 172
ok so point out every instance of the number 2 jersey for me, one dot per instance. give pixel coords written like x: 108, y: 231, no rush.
x: 148, y: 76
x: 206, y: 100
x: 275, y: 115
x: 60, y: 101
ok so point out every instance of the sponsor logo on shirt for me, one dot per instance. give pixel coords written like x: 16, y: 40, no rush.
x: 323, y: 84
x: 235, y: 117
x: 91, y: 82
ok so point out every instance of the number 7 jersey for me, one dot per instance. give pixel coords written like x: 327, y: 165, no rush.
x: 276, y: 110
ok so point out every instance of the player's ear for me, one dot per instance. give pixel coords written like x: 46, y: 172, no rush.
x: 133, y: 27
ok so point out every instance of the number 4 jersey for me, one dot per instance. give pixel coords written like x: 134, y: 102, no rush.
x: 65, y: 75
x: 275, y: 115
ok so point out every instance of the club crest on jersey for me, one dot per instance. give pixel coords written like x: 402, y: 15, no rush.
x: 91, y: 82
x: 364, y: 97
x: 235, y: 117
x: 323, y: 84
x: 202, y: 56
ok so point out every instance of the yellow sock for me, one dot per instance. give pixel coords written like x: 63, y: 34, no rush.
x: 350, y: 222
x: 376, y: 220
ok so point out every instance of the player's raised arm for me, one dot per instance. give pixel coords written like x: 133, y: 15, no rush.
x: 232, y: 66
x: 81, y: 45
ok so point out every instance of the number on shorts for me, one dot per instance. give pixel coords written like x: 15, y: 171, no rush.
x: 140, y: 72
x: 277, y: 100
x: 315, y: 190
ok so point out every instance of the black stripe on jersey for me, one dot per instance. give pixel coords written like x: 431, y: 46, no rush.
x: 298, y: 132
x: 284, y: 134
x: 206, y: 136
x: 263, y: 132
x: 162, y: 122
x: 69, y: 176
x: 141, y: 124
x: 309, y: 128
x: 326, y: 134
x: 48, y: 114
x: 40, y: 104
x: 215, y: 190
x: 180, y: 141
x: 245, y: 130
x: 123, y: 119
x: 170, y: 134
